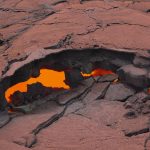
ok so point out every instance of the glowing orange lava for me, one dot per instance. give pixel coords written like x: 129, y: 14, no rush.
x: 148, y: 90
x: 97, y: 72
x: 48, y: 78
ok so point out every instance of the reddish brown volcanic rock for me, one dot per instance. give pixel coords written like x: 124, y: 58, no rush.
x: 89, y: 117
x: 27, y: 27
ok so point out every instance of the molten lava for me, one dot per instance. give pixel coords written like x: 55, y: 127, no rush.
x: 49, y: 78
x: 97, y: 72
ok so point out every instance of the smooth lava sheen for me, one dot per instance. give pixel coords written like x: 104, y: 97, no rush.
x: 49, y: 78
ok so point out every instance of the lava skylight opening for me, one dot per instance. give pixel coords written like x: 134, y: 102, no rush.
x: 49, y: 78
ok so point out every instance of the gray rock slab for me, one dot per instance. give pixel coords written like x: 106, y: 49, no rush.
x: 119, y: 92
x: 97, y: 91
x: 134, y: 76
x: 76, y: 92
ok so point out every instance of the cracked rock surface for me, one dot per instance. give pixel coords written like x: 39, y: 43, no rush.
x: 91, y: 116
x: 86, y: 120
x: 27, y: 27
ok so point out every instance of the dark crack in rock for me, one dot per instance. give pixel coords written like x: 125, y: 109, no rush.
x: 76, y: 92
x: 59, y: 2
x: 62, y: 43
x: 1, y: 40
x: 74, y: 107
x: 30, y: 140
x: 97, y: 92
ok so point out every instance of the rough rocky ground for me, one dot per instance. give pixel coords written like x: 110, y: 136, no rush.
x: 86, y: 120
x: 93, y: 119
x: 69, y: 24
